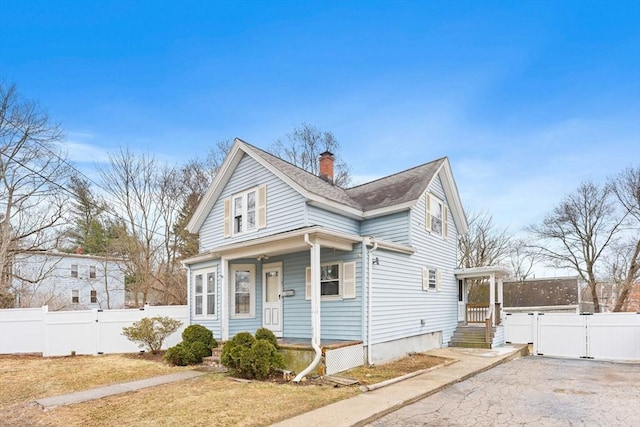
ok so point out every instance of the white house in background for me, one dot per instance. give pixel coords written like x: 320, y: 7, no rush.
x: 66, y: 281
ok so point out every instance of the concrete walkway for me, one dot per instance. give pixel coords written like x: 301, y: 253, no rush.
x: 356, y: 411
x: 110, y: 390
x: 366, y: 407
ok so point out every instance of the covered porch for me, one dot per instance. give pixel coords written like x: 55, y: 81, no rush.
x: 479, y: 323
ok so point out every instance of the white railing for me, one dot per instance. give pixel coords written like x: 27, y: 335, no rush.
x: 604, y: 336
x: 60, y: 333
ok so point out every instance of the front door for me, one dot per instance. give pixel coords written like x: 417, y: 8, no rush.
x: 272, y: 298
x: 462, y: 300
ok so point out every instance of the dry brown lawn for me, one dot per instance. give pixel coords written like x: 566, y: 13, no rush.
x: 212, y: 400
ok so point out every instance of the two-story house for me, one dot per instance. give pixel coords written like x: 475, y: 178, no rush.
x: 67, y: 281
x: 369, y: 269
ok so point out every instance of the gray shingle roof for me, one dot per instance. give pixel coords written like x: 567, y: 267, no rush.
x: 395, y: 189
x: 389, y: 191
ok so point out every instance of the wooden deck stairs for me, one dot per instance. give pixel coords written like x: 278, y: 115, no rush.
x: 471, y: 336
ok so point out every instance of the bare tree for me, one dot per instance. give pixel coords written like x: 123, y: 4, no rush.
x: 578, y: 231
x: 32, y: 174
x: 130, y: 182
x: 625, y: 259
x: 522, y: 259
x: 303, y: 146
x: 484, y: 244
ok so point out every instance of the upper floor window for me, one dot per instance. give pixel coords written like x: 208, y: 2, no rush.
x: 74, y: 270
x: 92, y: 272
x: 436, y: 216
x: 246, y: 211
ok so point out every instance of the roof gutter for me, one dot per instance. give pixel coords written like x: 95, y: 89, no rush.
x: 315, y: 310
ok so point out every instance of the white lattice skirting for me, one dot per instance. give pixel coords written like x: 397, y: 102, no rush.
x: 341, y: 359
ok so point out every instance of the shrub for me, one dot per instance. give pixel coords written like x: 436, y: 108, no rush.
x: 198, y: 333
x: 267, y: 335
x: 151, y: 331
x: 198, y: 349
x: 251, y: 358
x: 180, y: 355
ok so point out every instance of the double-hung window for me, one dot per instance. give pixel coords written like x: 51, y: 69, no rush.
x: 337, y: 280
x: 92, y: 272
x: 243, y: 291
x: 330, y: 280
x: 75, y: 297
x: 74, y: 270
x: 245, y: 212
x: 94, y: 296
x: 436, y: 216
x: 431, y: 279
x: 204, y: 292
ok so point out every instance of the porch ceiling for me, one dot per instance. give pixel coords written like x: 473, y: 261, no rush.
x: 278, y: 244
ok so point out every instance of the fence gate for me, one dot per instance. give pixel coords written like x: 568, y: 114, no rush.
x: 606, y: 336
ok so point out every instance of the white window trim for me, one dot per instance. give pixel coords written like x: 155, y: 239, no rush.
x: 430, y: 201
x: 205, y: 296
x: 426, y: 274
x: 260, y: 211
x: 341, y: 282
x: 252, y: 290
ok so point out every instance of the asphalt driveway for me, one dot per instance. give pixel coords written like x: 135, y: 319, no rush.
x: 533, y: 391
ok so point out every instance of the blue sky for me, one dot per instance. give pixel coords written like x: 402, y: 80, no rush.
x: 527, y: 98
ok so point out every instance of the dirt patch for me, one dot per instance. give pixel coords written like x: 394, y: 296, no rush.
x: 379, y: 373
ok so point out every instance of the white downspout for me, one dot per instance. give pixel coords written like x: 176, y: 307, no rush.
x: 315, y: 310
x: 370, y: 302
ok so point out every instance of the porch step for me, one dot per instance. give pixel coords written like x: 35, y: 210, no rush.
x: 470, y: 337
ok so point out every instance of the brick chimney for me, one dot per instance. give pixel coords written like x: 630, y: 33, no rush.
x: 79, y: 250
x: 326, y: 166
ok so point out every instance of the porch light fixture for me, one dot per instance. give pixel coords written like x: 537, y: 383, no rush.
x: 262, y: 258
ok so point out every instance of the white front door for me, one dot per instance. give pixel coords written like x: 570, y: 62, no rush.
x: 462, y: 300
x: 272, y: 298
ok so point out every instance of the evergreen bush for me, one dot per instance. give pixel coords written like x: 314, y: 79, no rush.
x: 251, y: 358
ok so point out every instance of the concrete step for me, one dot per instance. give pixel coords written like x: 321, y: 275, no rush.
x: 468, y: 344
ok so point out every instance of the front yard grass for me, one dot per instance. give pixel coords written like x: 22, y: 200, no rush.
x: 211, y: 400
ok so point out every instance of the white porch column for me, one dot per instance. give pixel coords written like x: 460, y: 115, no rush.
x: 500, y: 297
x: 492, y: 294
x: 315, y: 293
x: 224, y: 288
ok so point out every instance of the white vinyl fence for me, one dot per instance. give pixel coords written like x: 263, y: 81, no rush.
x: 605, y: 336
x: 59, y: 333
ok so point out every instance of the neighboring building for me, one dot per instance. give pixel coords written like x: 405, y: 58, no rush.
x: 371, y: 267
x: 549, y: 295
x: 608, y: 296
x: 65, y: 281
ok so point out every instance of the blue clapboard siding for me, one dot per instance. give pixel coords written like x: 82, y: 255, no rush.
x: 399, y: 303
x: 393, y: 228
x: 285, y: 206
x: 332, y: 221
x: 340, y: 319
